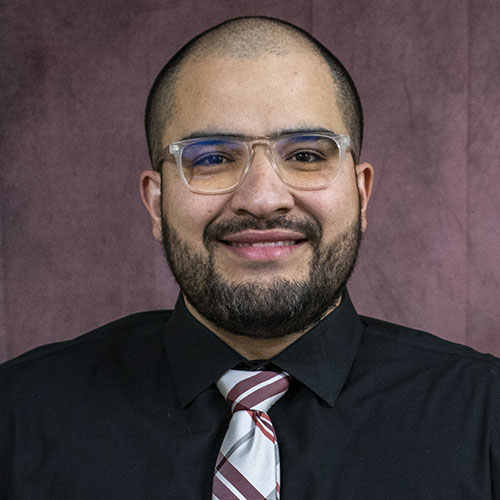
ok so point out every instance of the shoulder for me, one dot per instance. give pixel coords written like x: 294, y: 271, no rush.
x: 424, y: 347
x: 73, y: 355
x: 433, y: 375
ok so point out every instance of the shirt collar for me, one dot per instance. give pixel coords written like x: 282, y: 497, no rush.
x: 320, y: 359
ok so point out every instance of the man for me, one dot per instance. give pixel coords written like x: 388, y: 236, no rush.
x: 259, y: 198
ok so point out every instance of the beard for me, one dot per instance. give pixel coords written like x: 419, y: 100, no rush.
x: 258, y: 309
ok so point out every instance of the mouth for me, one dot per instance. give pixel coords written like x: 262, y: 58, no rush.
x: 287, y: 243
x: 266, y: 245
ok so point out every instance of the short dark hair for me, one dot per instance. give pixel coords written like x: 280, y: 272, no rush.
x: 244, y: 37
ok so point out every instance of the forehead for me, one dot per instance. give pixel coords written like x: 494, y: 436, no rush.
x: 254, y: 96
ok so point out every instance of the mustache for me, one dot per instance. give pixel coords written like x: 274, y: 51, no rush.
x: 216, y: 231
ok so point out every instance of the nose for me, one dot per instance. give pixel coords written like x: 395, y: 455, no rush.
x: 262, y: 193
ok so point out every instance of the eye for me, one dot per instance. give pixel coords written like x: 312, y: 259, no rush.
x: 211, y: 159
x: 305, y: 156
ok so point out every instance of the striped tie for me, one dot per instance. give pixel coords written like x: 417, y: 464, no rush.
x: 248, y: 465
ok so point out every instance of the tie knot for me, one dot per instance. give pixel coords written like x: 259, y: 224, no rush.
x: 257, y: 390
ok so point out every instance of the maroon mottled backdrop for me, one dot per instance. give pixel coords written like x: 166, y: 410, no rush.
x: 75, y: 244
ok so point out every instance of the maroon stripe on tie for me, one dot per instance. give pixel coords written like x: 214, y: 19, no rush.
x: 248, y: 383
x: 266, y: 421
x: 240, y: 482
x: 222, y: 492
x: 262, y: 394
x: 265, y: 432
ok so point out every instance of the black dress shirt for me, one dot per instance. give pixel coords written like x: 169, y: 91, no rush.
x: 130, y: 411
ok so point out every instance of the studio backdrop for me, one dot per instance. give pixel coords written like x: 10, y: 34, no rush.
x: 76, y: 245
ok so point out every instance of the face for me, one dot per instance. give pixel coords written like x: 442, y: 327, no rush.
x: 265, y: 260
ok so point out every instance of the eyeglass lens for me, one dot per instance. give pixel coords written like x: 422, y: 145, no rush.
x: 303, y: 161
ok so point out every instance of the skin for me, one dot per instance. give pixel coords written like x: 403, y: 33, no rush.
x: 256, y: 96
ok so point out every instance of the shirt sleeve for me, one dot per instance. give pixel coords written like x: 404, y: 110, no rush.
x: 495, y: 457
x: 5, y: 439
x: 495, y: 442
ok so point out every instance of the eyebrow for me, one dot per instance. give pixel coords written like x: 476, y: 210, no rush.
x: 199, y: 134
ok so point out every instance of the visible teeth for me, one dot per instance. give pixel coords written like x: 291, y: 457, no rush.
x: 264, y: 244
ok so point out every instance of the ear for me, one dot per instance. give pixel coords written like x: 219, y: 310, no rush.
x: 364, y: 174
x: 150, y: 188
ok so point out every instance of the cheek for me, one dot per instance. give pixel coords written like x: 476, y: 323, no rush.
x: 187, y: 212
x: 334, y: 208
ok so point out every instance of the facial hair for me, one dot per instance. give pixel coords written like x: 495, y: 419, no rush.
x: 259, y: 309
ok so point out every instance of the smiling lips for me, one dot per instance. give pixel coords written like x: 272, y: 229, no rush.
x: 267, y: 245
x: 264, y: 244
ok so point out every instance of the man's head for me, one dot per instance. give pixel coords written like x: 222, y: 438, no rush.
x: 264, y: 260
x: 244, y: 38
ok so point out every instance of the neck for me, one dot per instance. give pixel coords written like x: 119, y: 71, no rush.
x: 251, y: 348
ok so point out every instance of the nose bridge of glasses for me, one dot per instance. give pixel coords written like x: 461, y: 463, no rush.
x: 266, y: 145
x: 262, y: 189
x: 263, y: 142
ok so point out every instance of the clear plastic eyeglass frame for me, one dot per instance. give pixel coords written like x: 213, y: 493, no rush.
x: 176, y: 150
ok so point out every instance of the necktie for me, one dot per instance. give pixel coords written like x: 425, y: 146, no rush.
x: 248, y: 466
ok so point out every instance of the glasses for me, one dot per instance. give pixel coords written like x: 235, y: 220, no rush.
x: 219, y: 164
